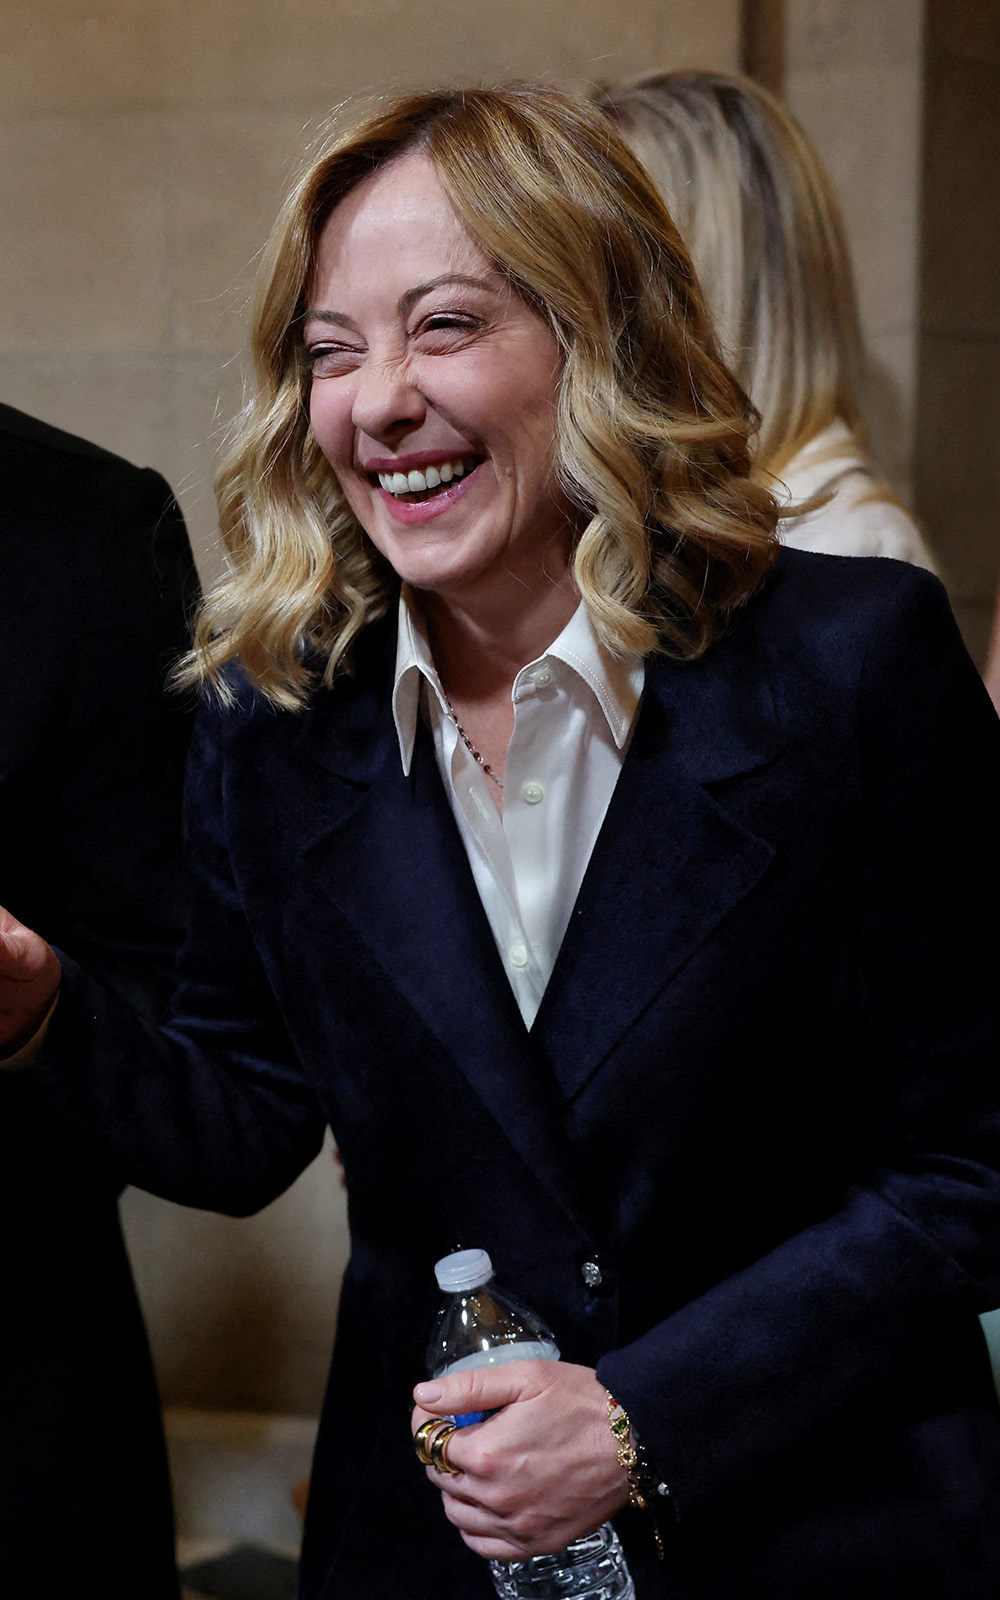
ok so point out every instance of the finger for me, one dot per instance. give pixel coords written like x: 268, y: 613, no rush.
x: 495, y: 1548
x: 455, y: 1487
x: 483, y: 1388
x: 455, y: 1450
x: 24, y: 957
x: 482, y: 1532
x: 418, y: 1417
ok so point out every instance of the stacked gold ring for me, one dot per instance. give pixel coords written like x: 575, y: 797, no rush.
x: 439, y: 1450
x: 430, y: 1443
x: 422, y: 1437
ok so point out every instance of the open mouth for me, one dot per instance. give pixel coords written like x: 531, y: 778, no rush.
x: 422, y: 484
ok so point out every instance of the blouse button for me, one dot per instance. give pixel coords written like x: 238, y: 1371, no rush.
x: 518, y: 953
x: 532, y: 792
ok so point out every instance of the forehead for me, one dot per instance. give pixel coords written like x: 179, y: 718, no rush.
x: 396, y: 228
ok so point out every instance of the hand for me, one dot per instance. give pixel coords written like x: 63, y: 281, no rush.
x: 29, y: 982
x: 540, y: 1473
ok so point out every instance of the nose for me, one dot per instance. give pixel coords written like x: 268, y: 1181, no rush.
x: 387, y: 401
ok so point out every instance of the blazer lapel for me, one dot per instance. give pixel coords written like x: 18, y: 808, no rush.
x: 391, y: 858
x: 668, y: 866
x: 669, y: 863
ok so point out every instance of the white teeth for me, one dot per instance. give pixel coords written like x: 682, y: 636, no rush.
x: 413, y: 482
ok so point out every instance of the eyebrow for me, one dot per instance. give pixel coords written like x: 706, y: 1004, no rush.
x: 406, y: 301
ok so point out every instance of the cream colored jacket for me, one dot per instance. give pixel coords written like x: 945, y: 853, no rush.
x: 851, y: 523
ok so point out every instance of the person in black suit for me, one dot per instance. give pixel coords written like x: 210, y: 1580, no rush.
x: 95, y: 578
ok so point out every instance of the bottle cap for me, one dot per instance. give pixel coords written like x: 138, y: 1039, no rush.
x: 462, y: 1270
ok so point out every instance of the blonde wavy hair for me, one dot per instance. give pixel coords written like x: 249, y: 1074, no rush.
x: 652, y: 430
x: 760, y: 218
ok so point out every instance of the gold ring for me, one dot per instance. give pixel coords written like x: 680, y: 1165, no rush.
x: 422, y: 1437
x: 439, y: 1451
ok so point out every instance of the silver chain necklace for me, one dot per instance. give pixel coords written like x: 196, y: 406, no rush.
x: 476, y: 755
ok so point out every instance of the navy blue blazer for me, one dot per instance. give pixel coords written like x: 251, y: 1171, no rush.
x: 761, y: 1092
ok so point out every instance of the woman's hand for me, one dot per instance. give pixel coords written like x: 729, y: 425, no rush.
x: 541, y: 1472
x: 29, y: 982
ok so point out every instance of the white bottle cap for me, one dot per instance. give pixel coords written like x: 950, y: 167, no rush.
x: 462, y: 1270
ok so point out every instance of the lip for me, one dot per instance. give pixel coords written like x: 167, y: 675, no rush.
x: 424, y: 510
x: 414, y: 462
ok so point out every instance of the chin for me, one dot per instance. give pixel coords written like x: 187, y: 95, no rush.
x: 438, y: 574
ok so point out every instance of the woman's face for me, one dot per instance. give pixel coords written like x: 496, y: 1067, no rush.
x: 433, y: 393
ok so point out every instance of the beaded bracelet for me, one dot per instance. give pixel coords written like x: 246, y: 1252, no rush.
x: 645, y: 1490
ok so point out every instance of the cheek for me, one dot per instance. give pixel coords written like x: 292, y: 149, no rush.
x: 358, y: 497
x: 532, y: 412
x: 330, y: 420
x: 535, y: 441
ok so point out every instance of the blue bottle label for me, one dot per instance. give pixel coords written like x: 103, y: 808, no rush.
x: 466, y: 1418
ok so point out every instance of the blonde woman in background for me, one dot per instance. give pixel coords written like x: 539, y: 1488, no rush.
x: 758, y: 214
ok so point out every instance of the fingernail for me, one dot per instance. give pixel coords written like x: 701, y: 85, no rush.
x: 427, y: 1393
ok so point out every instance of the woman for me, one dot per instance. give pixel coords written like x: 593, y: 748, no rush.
x: 757, y: 212
x: 559, y: 846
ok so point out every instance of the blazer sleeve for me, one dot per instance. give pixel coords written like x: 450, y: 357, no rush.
x: 211, y: 1109
x: 98, y: 582
x: 742, y: 1375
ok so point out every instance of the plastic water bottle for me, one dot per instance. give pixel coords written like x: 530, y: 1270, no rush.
x: 480, y: 1325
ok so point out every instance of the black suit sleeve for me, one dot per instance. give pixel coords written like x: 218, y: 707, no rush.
x: 98, y: 586
x: 117, y: 804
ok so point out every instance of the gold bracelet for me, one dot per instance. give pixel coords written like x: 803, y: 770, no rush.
x: 632, y: 1460
x: 628, y: 1457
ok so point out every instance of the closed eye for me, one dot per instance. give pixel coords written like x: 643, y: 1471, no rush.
x: 446, y: 330
x: 450, y: 319
x: 331, y: 360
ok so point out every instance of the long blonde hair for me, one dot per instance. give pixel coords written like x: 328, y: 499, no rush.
x: 758, y: 214
x: 652, y: 431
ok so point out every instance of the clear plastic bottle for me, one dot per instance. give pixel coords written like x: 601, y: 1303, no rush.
x: 480, y: 1325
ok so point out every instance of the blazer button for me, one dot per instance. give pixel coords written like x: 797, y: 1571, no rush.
x: 597, y: 1277
x: 592, y: 1275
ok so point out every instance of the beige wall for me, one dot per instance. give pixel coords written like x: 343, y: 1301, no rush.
x: 852, y: 74
x: 143, y: 147
x: 902, y: 99
x: 241, y: 1313
x: 957, y: 421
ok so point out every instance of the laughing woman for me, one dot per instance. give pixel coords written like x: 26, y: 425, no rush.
x: 611, y: 882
